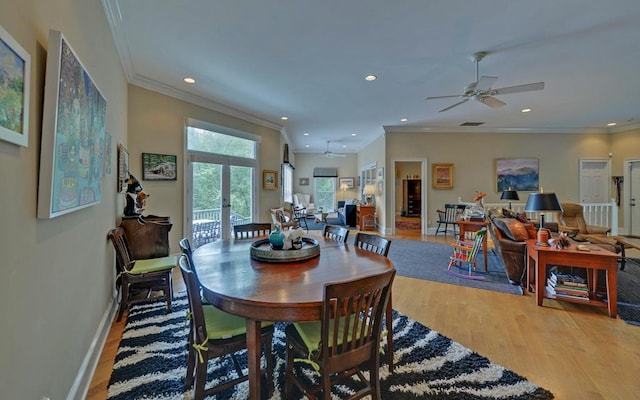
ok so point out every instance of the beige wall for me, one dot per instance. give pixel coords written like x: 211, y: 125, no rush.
x: 157, y: 125
x: 474, y: 154
x: 374, y: 153
x: 57, y: 275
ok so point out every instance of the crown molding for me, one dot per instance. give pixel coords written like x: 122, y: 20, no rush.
x: 472, y: 129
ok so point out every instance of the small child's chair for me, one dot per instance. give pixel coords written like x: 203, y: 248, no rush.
x: 466, y: 252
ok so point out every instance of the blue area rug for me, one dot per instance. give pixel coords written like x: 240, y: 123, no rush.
x: 151, y: 364
x: 429, y: 260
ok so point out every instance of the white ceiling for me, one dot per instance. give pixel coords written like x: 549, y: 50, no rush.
x: 307, y: 60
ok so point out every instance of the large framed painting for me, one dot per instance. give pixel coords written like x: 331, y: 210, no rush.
x: 521, y: 174
x: 73, y: 131
x: 159, y: 167
x: 15, y: 67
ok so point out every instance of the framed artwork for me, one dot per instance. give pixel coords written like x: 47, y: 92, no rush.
x: 159, y: 167
x: 303, y: 181
x: 73, y: 126
x: 269, y: 180
x: 442, y: 176
x: 107, y: 154
x: 359, y: 184
x: 350, y: 182
x: 521, y: 174
x: 123, y: 168
x: 380, y: 180
x: 15, y: 67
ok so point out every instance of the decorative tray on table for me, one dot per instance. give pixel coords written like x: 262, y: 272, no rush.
x: 261, y: 250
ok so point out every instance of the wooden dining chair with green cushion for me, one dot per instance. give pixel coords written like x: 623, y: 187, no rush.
x: 379, y: 245
x: 215, y: 333
x: 251, y: 230
x: 342, y: 342
x: 335, y: 232
x: 148, y: 276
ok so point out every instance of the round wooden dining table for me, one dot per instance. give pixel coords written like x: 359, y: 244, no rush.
x: 285, y: 291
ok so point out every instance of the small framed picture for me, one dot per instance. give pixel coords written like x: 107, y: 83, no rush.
x: 159, y: 167
x: 269, y: 180
x: 303, y: 181
x: 442, y: 176
x: 123, y: 168
x: 346, y: 183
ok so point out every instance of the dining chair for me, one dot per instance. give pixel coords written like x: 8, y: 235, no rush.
x: 379, y: 245
x: 466, y: 253
x: 346, y: 338
x: 148, y: 276
x: 214, y: 333
x: 335, y: 232
x: 448, y: 217
x: 251, y: 230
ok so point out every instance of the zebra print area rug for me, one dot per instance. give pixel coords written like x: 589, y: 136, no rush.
x: 151, y: 359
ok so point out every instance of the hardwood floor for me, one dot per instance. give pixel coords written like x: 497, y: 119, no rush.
x: 575, y: 351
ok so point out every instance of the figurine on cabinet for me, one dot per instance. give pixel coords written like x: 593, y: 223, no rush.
x: 135, y: 198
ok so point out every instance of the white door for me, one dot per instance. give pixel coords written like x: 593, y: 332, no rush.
x: 634, y: 197
x: 594, y: 181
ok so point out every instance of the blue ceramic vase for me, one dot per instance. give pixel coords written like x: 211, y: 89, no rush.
x: 276, y: 239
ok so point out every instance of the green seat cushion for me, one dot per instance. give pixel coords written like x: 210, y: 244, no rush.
x: 153, y: 265
x: 310, y: 332
x: 222, y: 325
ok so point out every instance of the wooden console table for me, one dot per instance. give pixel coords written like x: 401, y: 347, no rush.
x: 364, y: 211
x: 594, y: 259
x: 474, y: 226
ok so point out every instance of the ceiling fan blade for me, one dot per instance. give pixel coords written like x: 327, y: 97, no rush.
x: 443, y: 97
x: 491, y: 102
x: 519, y: 88
x: 454, y: 105
x: 485, y: 82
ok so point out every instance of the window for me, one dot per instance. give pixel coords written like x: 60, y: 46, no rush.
x: 287, y: 183
x: 325, y: 193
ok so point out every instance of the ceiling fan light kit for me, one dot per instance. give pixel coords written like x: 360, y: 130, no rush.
x: 481, y: 90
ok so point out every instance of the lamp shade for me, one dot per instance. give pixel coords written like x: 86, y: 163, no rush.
x: 369, y: 190
x: 509, y: 195
x: 542, y: 202
x: 344, y: 187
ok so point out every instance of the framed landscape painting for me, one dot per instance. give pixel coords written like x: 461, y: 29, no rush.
x: 15, y: 64
x: 159, y: 167
x: 73, y: 131
x: 521, y: 174
x: 442, y: 176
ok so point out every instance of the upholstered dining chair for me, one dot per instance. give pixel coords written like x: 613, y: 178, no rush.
x: 335, y: 232
x: 148, y: 275
x: 380, y: 245
x: 214, y: 333
x: 251, y: 230
x: 346, y: 338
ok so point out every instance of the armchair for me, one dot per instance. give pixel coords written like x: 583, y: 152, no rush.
x: 303, y: 201
x: 282, y: 218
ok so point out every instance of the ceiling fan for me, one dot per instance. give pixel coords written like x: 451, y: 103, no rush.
x: 481, y: 90
x: 331, y: 154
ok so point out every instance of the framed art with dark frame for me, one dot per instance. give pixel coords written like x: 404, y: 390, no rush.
x: 350, y: 182
x: 73, y: 129
x: 15, y: 63
x: 123, y: 168
x: 159, y: 167
x: 520, y: 174
x: 442, y: 176
x: 269, y: 179
x: 303, y: 181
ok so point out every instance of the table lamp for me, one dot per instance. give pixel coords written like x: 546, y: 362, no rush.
x: 368, y: 191
x: 509, y: 195
x: 542, y: 203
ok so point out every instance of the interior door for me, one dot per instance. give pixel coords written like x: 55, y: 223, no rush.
x: 594, y: 181
x: 634, y: 197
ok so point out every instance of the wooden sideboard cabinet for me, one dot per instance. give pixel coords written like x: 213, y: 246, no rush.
x: 364, y: 211
x: 147, y: 236
x: 411, y: 198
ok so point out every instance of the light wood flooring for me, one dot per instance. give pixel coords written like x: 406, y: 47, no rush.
x: 575, y: 351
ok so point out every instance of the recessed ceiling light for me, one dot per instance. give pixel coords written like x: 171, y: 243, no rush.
x: 354, y: 134
x: 403, y: 119
x: 306, y: 133
x: 612, y: 124
x: 189, y: 80
x: 306, y: 145
x: 370, y: 78
x: 284, y: 118
x: 344, y: 145
x: 525, y: 110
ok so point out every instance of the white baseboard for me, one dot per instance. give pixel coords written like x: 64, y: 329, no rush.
x: 81, y: 384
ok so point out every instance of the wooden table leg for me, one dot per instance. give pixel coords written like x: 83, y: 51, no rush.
x: 541, y: 273
x: 612, y: 288
x: 253, y: 355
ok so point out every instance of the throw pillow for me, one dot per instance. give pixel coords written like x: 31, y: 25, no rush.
x: 532, y: 232
x: 512, y: 228
x: 280, y: 216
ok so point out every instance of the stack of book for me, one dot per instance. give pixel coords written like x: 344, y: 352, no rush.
x: 567, y: 285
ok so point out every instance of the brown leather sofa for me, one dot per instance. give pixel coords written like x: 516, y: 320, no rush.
x: 509, y: 231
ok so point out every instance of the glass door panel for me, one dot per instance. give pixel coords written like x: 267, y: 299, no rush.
x: 241, y: 195
x: 206, y: 203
